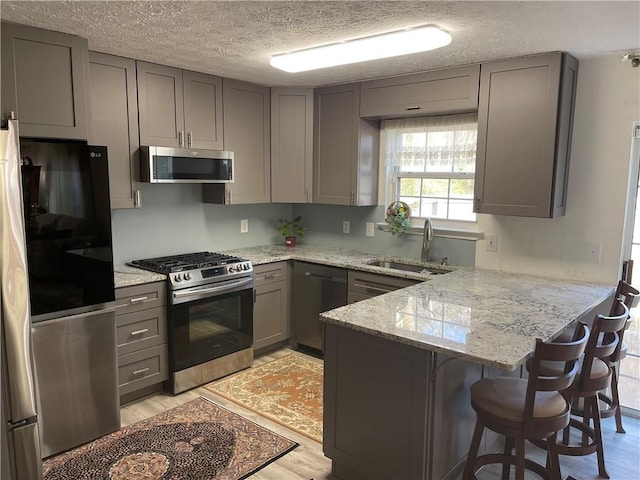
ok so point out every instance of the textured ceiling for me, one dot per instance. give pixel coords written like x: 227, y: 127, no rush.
x: 236, y: 38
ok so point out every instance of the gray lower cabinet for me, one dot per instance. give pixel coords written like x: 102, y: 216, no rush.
x: 271, y: 306
x: 291, y: 145
x: 114, y: 123
x: 346, y: 148
x: 393, y: 411
x: 525, y: 119
x: 141, y: 333
x: 247, y: 133
x: 44, y: 81
x: 179, y: 108
x: 452, y: 90
x: 363, y: 285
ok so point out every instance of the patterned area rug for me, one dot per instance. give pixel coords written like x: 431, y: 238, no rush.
x: 197, y: 440
x: 287, y: 390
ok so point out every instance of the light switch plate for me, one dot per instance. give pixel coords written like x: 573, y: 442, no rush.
x: 244, y: 225
x: 370, y: 229
x: 346, y: 226
x: 492, y: 243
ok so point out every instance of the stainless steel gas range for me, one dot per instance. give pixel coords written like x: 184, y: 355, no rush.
x: 210, y: 315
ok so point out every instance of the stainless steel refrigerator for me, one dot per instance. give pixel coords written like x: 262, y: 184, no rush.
x: 20, y: 444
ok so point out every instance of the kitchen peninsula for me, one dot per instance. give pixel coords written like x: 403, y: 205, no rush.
x: 398, y: 367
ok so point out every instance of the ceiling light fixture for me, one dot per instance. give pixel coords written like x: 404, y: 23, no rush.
x: 402, y: 42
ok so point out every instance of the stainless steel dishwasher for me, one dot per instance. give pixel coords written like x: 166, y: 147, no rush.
x: 76, y: 379
x: 316, y: 288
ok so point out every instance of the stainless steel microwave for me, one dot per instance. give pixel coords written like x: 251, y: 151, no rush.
x: 185, y: 165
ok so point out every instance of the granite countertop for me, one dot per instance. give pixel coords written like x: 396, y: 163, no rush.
x: 483, y: 316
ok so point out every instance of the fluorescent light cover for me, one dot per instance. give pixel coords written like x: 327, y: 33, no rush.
x: 386, y: 45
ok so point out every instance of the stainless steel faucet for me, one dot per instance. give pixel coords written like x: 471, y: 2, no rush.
x: 426, y: 240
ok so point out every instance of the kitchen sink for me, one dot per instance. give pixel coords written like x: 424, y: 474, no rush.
x: 407, y: 267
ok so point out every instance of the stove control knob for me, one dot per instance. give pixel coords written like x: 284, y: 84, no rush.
x: 187, y: 276
x: 178, y: 277
x: 246, y: 266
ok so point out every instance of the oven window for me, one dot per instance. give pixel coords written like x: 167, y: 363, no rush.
x: 209, y: 328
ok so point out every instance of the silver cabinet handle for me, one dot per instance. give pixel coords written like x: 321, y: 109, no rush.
x: 189, y: 138
x: 139, y: 332
x: 140, y: 372
x: 137, y: 199
x: 373, y: 289
x: 138, y: 299
x: 415, y: 107
x: 325, y: 277
x: 181, y: 138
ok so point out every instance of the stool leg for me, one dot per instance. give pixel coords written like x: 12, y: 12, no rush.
x: 616, y: 399
x: 553, y: 461
x: 595, y: 411
x: 519, y: 458
x: 506, y: 467
x: 469, y: 473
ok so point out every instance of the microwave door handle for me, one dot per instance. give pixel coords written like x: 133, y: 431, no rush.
x: 221, y: 289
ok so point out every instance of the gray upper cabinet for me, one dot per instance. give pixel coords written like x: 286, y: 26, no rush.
x: 291, y: 145
x: 44, y: 77
x: 452, y: 90
x: 525, y: 119
x: 247, y: 133
x: 179, y: 108
x: 114, y: 122
x: 345, y: 148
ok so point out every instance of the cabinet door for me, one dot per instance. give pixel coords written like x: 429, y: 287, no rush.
x: 270, y: 322
x: 114, y: 122
x: 452, y: 90
x: 247, y: 133
x: 520, y: 166
x: 160, y: 105
x: 291, y: 145
x: 44, y: 76
x: 202, y: 110
x: 346, y: 148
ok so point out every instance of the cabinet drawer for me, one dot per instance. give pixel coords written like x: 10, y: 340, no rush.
x: 139, y: 330
x: 270, y: 273
x: 141, y: 369
x: 453, y: 90
x: 140, y: 297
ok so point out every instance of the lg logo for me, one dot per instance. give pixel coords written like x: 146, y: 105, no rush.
x: 95, y: 155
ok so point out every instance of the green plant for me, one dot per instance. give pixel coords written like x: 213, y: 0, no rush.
x: 399, y: 224
x: 290, y: 228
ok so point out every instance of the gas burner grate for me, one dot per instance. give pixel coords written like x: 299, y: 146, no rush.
x: 188, y: 261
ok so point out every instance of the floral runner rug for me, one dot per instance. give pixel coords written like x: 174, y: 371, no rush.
x: 287, y: 390
x: 197, y: 440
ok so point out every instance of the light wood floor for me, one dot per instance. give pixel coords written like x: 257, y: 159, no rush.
x: 307, y: 461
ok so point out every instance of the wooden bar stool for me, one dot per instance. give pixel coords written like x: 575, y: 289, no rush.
x: 610, y: 403
x: 521, y: 410
x: 594, y: 375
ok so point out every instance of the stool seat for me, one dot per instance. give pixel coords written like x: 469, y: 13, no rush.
x: 505, y: 398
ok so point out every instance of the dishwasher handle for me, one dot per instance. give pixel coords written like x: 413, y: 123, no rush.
x: 326, y: 277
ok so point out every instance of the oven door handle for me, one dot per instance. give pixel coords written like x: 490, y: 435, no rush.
x: 231, y: 285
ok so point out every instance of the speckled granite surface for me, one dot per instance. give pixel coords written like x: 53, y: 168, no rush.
x: 125, y: 276
x: 483, y: 316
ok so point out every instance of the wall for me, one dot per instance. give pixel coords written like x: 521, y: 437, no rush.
x: 607, y: 103
x: 173, y: 220
x: 324, y: 227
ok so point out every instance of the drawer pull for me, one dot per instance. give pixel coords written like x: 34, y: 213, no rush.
x: 413, y: 108
x: 139, y: 332
x: 372, y: 288
x: 140, y: 372
x: 138, y: 299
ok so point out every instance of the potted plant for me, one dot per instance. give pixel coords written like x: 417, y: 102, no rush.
x: 398, y: 218
x: 290, y: 229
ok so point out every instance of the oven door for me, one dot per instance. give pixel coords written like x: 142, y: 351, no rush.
x: 216, y: 320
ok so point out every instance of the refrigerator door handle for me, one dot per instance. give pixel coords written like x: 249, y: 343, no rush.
x: 15, y: 297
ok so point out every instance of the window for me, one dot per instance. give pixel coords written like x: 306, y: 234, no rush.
x: 432, y: 163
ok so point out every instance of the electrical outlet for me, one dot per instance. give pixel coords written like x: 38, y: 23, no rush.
x: 592, y: 252
x: 492, y: 243
x: 346, y: 226
x: 244, y: 225
x: 370, y: 229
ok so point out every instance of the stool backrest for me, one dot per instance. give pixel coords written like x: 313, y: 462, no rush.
x: 631, y: 297
x: 603, y: 339
x: 560, y: 381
